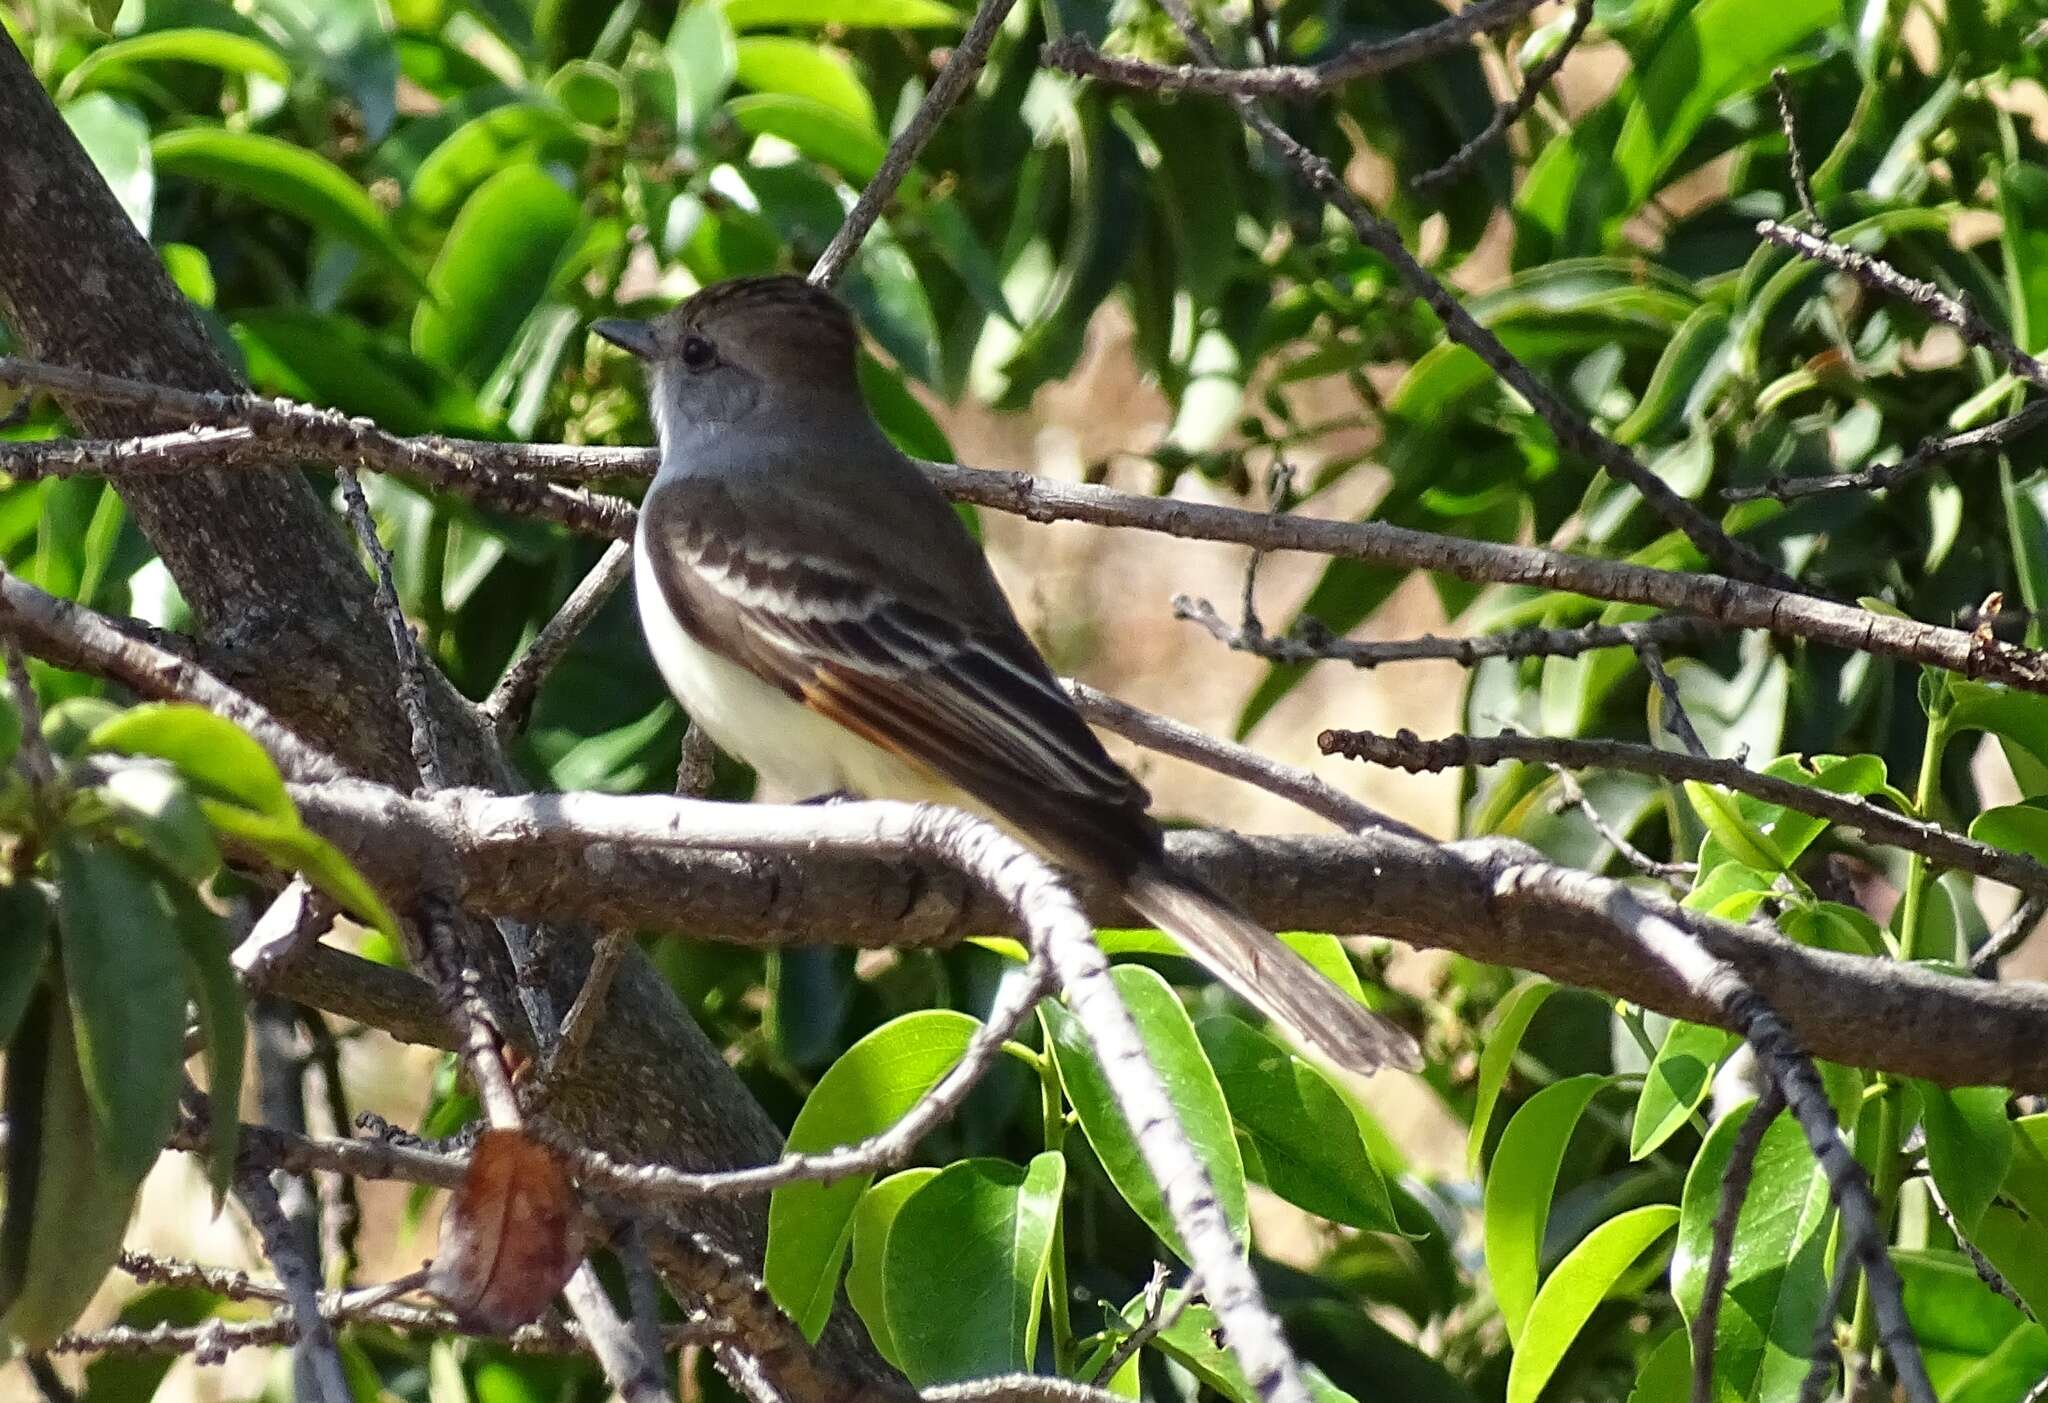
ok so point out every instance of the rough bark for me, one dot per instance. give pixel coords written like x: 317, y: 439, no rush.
x: 285, y: 613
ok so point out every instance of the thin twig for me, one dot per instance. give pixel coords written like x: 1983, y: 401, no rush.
x: 1782, y: 86
x: 1826, y: 1352
x: 1572, y: 796
x: 511, y: 701
x: 412, y: 668
x: 630, y: 1355
x: 1021, y: 1388
x: 1408, y: 751
x: 1735, y: 1179
x: 965, y: 61
x: 1311, y: 642
x: 1506, y: 114
x: 579, y: 1025
x: 1170, y: 737
x: 49, y: 1385
x: 1995, y: 436
x: 1572, y: 429
x: 1986, y: 1272
x: 1160, y: 1315
x: 1880, y: 276
x: 651, y: 1185
x: 2012, y: 933
x: 1073, y: 54
x: 1676, y: 719
x: 288, y: 927
x: 316, y: 1357
x: 34, y: 752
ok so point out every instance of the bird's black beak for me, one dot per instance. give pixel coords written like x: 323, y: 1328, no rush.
x: 627, y: 335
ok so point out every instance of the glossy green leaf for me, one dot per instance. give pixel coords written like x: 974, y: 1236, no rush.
x: 966, y: 1265
x: 495, y: 268
x: 1749, y: 844
x: 2020, y: 828
x: 823, y: 133
x: 1520, y: 1188
x: 67, y: 1205
x: 25, y: 917
x: 1778, y: 1270
x: 154, y: 806
x: 1969, y: 1145
x: 775, y: 63
x: 881, y: 14
x: 302, y: 183
x: 126, y: 985
x: 507, y: 135
x: 1581, y: 1281
x: 863, y: 1093
x: 2018, y: 719
x: 1297, y: 1130
x: 117, y: 139
x: 215, y: 48
x: 1678, y: 1080
x: 203, y: 937
x: 704, y: 59
x: 1173, y: 1048
x: 866, y: 1286
x: 213, y: 754
x: 1497, y: 1059
x: 295, y: 848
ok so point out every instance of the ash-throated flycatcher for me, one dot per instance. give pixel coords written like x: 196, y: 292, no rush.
x: 820, y: 611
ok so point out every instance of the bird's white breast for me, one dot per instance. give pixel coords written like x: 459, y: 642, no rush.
x: 792, y: 747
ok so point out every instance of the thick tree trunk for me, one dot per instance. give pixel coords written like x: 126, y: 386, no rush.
x: 285, y: 612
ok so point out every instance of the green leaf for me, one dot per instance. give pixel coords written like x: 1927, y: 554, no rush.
x: 1171, y: 1045
x: 1302, y: 1136
x: 1778, y: 1269
x: 2019, y: 828
x: 214, y: 754
x: 1519, y: 1190
x: 296, y: 848
x: 1678, y: 1080
x: 704, y: 59
x: 1497, y: 1059
x: 1581, y: 1281
x: 155, y: 808
x: 1747, y: 843
x: 1969, y: 1146
x: 866, y: 1287
x: 880, y: 14
x: 775, y: 63
x: 289, y: 178
x: 25, y: 917
x: 966, y: 1266
x: 127, y: 993
x: 822, y: 133
x: 117, y: 139
x: 1667, y: 1372
x: 863, y: 1093
x: 203, y: 936
x: 1194, y: 1341
x: 215, y: 48
x: 496, y: 266
x: 2018, y: 719
x: 66, y: 1208
x: 104, y: 13
x: 514, y: 133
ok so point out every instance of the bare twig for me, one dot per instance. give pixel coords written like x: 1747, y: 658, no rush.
x: 652, y: 1184
x: 1313, y: 643
x: 630, y: 1355
x: 1782, y: 86
x: 1160, y: 1315
x: 2038, y: 1393
x: 2012, y: 932
x: 1986, y: 1272
x: 580, y: 1022
x: 35, y: 758
x: 1409, y: 752
x: 1879, y: 276
x: 1676, y: 719
x: 511, y: 701
x: 316, y: 1358
x: 50, y: 1386
x: 1020, y: 1388
x: 1572, y: 796
x: 1995, y: 436
x: 288, y: 927
x: 961, y: 66
x: 1506, y: 114
x: 1170, y: 737
x: 1075, y: 55
x: 412, y: 670
x: 1573, y: 430
x: 1735, y: 1180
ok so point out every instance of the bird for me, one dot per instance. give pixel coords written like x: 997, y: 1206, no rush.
x: 821, y: 612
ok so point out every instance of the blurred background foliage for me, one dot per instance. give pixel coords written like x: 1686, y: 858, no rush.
x: 410, y: 209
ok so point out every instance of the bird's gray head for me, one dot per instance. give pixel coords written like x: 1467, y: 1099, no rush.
x: 773, y: 344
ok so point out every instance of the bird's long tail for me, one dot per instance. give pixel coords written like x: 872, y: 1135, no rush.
x: 1316, y: 1014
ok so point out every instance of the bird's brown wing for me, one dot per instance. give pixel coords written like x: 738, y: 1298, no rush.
x: 969, y: 699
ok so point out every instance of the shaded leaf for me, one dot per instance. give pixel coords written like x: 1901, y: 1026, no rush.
x: 1581, y: 1281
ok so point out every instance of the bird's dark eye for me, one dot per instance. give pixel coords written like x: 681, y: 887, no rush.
x: 698, y: 353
